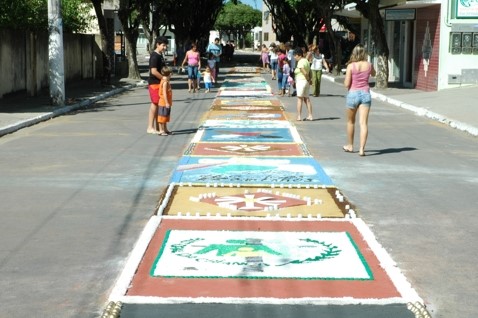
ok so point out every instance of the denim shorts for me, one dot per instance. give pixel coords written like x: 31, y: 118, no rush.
x: 356, y: 98
x: 274, y: 64
x: 193, y: 71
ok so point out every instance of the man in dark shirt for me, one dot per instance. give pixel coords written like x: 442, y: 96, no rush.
x: 156, y: 63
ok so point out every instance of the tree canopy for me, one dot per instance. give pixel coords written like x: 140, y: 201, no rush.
x: 237, y: 18
x: 191, y: 20
x: 33, y: 15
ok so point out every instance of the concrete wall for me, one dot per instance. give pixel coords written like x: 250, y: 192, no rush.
x: 12, y: 61
x: 24, y: 60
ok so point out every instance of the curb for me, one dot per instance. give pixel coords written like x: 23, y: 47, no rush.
x: 63, y: 110
x: 420, y: 111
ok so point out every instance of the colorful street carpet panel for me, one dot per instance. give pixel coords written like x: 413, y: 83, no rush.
x: 257, y: 124
x: 249, y: 81
x: 256, y: 254
x: 241, y: 134
x: 241, y: 106
x: 297, y: 171
x: 243, y: 93
x: 249, y: 84
x: 289, y: 260
x: 245, y: 115
x: 225, y: 201
x: 245, y: 69
x: 247, y: 101
x: 247, y: 149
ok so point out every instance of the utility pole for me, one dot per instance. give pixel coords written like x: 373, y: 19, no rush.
x: 56, y: 65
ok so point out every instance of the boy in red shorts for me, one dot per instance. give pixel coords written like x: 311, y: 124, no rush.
x: 156, y: 63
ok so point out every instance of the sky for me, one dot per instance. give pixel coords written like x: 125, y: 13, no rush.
x: 256, y: 4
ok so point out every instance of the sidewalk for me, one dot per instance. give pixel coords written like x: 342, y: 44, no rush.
x: 455, y: 107
x: 18, y: 112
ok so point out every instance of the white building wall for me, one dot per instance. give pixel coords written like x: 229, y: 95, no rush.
x: 454, y: 64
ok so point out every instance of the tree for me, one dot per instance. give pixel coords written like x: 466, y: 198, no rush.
x: 129, y: 16
x: 33, y: 15
x: 370, y: 10
x: 151, y: 20
x: 190, y: 20
x: 297, y: 19
x: 106, y: 53
x: 76, y: 15
x: 237, y: 19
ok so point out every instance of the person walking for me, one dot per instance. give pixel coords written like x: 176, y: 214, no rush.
x: 273, y: 59
x: 165, y: 101
x: 156, y: 63
x: 302, y: 83
x: 317, y: 65
x: 265, y: 57
x: 207, y: 76
x: 358, y: 97
x: 193, y: 58
x: 216, y: 49
x: 286, y: 74
x: 280, y: 64
x: 289, y: 51
x: 211, y: 62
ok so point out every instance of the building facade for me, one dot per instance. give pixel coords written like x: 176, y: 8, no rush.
x: 268, y: 34
x: 433, y: 44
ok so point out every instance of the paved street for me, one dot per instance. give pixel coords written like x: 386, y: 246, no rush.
x: 77, y: 190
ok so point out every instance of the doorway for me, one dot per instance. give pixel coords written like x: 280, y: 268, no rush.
x: 401, y: 39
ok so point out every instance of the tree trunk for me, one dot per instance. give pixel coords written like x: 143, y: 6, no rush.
x: 130, y: 28
x: 133, y: 69
x: 379, y: 45
x: 381, y: 80
x: 106, y: 54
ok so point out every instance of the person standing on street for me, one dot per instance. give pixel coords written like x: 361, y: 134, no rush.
x: 216, y: 49
x: 273, y: 59
x: 264, y: 57
x: 317, y: 64
x: 156, y: 63
x: 211, y: 62
x: 207, y: 76
x: 280, y: 65
x: 193, y: 58
x: 165, y: 101
x: 289, y: 51
x: 302, y: 83
x: 357, y: 76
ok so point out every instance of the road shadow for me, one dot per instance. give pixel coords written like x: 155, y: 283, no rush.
x: 318, y: 119
x: 328, y: 118
x: 185, y: 131
x: 388, y: 151
x: 330, y: 95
